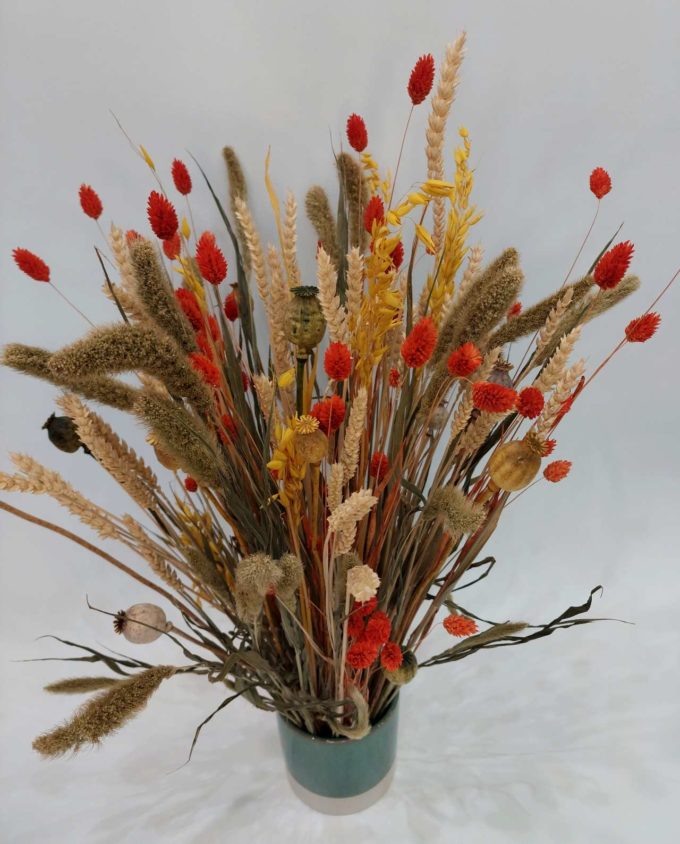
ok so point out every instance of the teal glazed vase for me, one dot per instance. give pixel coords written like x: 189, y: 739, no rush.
x: 341, y: 776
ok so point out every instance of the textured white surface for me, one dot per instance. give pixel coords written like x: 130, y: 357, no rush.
x: 574, y: 738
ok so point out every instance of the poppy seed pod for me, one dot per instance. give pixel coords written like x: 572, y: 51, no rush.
x: 312, y: 447
x: 304, y: 321
x: 406, y: 671
x: 515, y: 464
x: 141, y: 623
x: 62, y: 433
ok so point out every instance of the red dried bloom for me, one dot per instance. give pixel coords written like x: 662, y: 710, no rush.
x: 204, y: 344
x: 214, y: 329
x: 612, y: 266
x: 378, y: 628
x: 231, y: 307
x: 337, y: 361
x: 172, y: 246
x: 421, y: 80
x: 190, y: 484
x: 205, y: 368
x: 379, y: 467
x: 367, y: 607
x: 361, y: 654
x: 356, y: 132
x: 162, y: 215
x: 460, y: 625
x: 356, y: 625
x: 549, y: 447
x: 181, y: 177
x: 395, y: 377
x: 417, y: 348
x: 600, y: 182
x: 229, y: 430
x: 131, y: 235
x: 515, y: 310
x: 90, y: 202
x: 374, y: 213
x: 397, y: 255
x: 211, y: 262
x: 495, y: 398
x: 642, y: 328
x: 188, y: 302
x: 330, y: 413
x: 464, y: 360
x: 557, y: 470
x: 530, y: 402
x: 31, y: 264
x: 391, y: 656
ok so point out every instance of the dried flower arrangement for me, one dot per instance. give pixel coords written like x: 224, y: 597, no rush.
x: 320, y: 525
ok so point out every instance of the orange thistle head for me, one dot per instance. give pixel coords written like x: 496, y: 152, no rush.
x: 557, y: 470
x: 188, y: 302
x: 90, y: 202
x: 378, y: 628
x: 460, y: 625
x: 361, y: 654
x: 31, y: 264
x: 464, y: 360
x: 613, y: 265
x: 329, y: 413
x: 211, y: 262
x: 190, y: 484
x: 205, y: 368
x: 231, y: 307
x: 494, y: 398
x: 338, y: 361
x: 374, y: 213
x: 380, y: 466
x: 417, y: 348
x: 600, y: 182
x: 640, y: 329
x: 515, y: 310
x: 548, y: 447
x: 162, y: 216
x: 397, y: 255
x: 530, y: 402
x: 391, y: 656
x: 181, y: 177
x: 172, y: 246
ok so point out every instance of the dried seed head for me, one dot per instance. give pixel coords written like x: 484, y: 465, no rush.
x: 460, y: 515
x: 141, y: 623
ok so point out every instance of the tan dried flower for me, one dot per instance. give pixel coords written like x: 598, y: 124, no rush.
x: 362, y: 583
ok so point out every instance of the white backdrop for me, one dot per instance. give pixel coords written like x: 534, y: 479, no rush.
x: 574, y: 738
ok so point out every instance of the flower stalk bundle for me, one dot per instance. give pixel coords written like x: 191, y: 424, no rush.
x: 310, y: 502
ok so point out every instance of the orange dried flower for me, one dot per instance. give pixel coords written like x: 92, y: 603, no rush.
x: 530, y: 402
x: 600, y: 182
x: 205, y: 368
x: 366, y: 607
x: 188, y: 302
x: 549, y: 447
x: 417, y: 348
x: 397, y: 255
x: 557, y: 470
x: 612, y: 266
x: 642, y: 328
x: 374, y: 213
x: 460, y: 625
x: 204, y: 344
x: 172, y: 246
x: 231, y: 307
x: 131, y: 235
x: 214, y: 328
x: 162, y: 215
x: 330, y: 413
x: 356, y: 132
x: 395, y: 377
x: 464, y: 360
x: 31, y: 264
x: 190, y: 484
x: 515, y: 310
x: 361, y: 654
x: 90, y: 202
x: 229, y: 429
x: 391, y: 656
x: 380, y: 466
x: 338, y: 361
x: 211, y: 262
x: 494, y: 398
x: 421, y: 80
x: 181, y: 177
x: 356, y: 624
x: 378, y: 628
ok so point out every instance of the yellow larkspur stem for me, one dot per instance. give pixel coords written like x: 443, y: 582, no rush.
x: 147, y: 158
x: 186, y: 231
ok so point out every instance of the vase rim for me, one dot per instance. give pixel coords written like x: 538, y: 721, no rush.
x: 389, y: 712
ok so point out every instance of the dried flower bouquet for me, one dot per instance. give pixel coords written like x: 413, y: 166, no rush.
x: 332, y: 490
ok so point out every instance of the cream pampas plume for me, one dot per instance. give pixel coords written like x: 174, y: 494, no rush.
x: 155, y: 292
x: 115, y: 455
x: 353, y: 434
x: 321, y: 217
x: 254, y: 249
x: 32, y: 360
x: 124, y: 348
x: 436, y: 125
x: 103, y: 714
x: 237, y: 190
x: 334, y: 313
x: 182, y: 436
